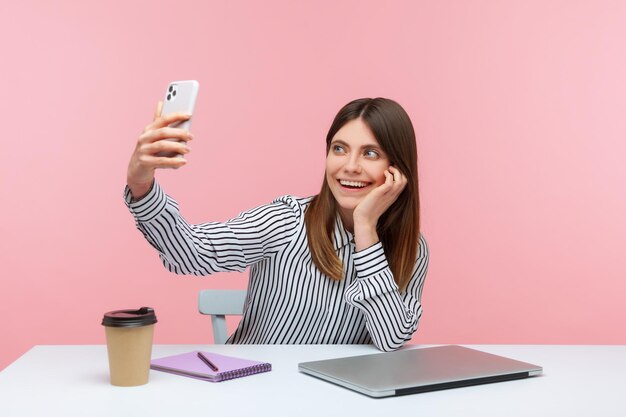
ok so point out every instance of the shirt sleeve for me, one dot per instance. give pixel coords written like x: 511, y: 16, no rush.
x: 391, y: 317
x: 203, y: 249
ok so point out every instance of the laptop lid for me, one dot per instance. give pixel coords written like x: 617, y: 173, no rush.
x: 410, y: 371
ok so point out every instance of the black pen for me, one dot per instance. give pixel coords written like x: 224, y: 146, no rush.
x: 207, y: 361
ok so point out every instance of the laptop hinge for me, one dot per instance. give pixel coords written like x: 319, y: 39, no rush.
x: 464, y: 383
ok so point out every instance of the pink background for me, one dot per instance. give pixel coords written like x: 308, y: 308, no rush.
x: 519, y: 112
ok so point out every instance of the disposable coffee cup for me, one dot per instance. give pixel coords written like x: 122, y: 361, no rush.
x: 129, y: 344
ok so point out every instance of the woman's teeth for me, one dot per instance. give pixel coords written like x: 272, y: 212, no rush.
x: 353, y: 184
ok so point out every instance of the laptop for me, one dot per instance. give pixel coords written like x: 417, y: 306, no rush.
x: 411, y: 371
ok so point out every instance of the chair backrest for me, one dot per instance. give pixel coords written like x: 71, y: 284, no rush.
x: 219, y: 304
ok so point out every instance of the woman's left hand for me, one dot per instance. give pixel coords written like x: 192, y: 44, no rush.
x: 369, y: 210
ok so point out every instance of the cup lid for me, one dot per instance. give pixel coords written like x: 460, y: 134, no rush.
x: 129, y: 318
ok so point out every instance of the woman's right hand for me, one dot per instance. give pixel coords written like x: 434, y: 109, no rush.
x: 152, y: 142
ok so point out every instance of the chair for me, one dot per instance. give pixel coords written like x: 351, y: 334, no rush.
x: 218, y: 304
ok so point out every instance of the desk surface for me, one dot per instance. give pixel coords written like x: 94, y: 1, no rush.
x: 73, y: 381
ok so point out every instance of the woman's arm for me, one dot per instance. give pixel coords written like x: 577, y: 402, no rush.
x: 205, y: 248
x: 391, y: 317
x: 211, y: 247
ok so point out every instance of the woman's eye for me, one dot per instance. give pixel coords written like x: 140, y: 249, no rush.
x: 371, y: 154
x: 338, y: 149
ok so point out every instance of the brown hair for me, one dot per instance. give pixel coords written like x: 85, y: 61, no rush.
x: 398, y: 228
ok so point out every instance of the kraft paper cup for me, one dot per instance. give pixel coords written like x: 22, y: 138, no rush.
x: 129, y: 345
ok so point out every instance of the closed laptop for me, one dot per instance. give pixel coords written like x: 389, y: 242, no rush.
x: 410, y: 371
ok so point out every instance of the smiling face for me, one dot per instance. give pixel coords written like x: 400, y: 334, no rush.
x: 355, y: 165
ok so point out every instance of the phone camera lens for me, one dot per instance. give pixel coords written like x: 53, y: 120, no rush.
x: 169, y: 96
x: 171, y: 88
x: 174, y: 93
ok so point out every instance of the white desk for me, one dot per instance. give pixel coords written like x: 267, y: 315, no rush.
x: 73, y: 381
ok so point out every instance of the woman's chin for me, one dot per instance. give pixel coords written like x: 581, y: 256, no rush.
x: 348, y: 205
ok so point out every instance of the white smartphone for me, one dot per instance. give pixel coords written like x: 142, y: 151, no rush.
x: 180, y: 96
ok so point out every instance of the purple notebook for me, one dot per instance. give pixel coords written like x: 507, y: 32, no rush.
x: 189, y: 364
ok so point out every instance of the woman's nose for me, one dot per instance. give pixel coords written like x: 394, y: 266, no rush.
x: 353, y: 164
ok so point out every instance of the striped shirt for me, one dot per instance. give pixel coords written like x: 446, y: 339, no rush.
x: 289, y: 301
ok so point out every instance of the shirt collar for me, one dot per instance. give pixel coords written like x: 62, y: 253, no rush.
x: 341, y: 237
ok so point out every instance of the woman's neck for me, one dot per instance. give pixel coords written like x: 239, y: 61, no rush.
x: 347, y: 219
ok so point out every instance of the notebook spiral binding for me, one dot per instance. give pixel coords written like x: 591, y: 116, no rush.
x: 251, y: 370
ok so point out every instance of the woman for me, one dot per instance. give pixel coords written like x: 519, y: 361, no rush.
x: 345, y: 266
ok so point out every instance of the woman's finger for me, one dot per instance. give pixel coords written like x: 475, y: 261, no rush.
x: 167, y: 120
x: 175, y: 117
x: 157, y: 112
x: 171, y: 162
x: 163, y: 161
x: 396, y: 172
x: 388, y: 179
x: 399, y: 178
x: 165, y: 133
x: 166, y: 146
